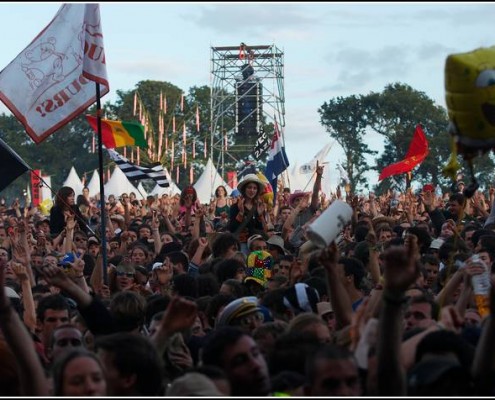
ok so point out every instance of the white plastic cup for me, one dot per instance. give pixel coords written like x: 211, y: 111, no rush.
x: 325, y: 229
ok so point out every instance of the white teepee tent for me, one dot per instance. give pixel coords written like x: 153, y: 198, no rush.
x: 94, y: 184
x: 118, y: 184
x: 74, y: 182
x: 209, y: 180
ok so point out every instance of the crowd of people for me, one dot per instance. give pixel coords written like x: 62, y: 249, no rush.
x: 230, y: 298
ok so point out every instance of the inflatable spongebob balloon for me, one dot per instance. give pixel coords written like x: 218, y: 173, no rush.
x: 470, y: 98
x: 267, y: 194
x: 45, y: 206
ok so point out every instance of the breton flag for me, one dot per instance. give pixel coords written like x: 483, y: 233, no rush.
x: 277, y: 160
x: 50, y: 82
x: 11, y: 165
x: 418, y: 150
x: 134, y: 172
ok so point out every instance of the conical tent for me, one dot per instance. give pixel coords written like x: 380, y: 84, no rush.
x: 74, y: 182
x: 118, y: 184
x: 94, y: 184
x: 142, y: 190
x: 209, y: 180
x: 171, y: 190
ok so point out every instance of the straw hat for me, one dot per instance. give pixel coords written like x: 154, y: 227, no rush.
x: 248, y: 179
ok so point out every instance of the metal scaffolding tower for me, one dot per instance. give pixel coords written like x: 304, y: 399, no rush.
x: 240, y: 76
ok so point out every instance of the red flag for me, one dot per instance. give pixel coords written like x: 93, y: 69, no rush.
x: 418, y: 150
x: 50, y: 82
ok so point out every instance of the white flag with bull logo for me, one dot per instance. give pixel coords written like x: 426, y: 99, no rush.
x: 51, y: 81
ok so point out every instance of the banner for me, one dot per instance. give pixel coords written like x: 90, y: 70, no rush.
x: 49, y: 82
x: 36, y: 187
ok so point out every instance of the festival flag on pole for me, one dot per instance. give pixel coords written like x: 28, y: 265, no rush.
x: 173, y: 123
x: 277, y: 160
x: 119, y: 133
x: 418, y: 150
x: 11, y: 165
x: 133, y: 172
x: 182, y: 103
x: 165, y: 104
x: 135, y: 103
x: 47, y: 84
x: 319, y: 158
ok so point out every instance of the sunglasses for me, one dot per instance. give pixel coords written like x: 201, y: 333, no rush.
x: 66, y: 342
x: 127, y: 274
x: 249, y: 319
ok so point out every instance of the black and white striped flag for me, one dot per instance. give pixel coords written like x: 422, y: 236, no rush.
x: 133, y: 172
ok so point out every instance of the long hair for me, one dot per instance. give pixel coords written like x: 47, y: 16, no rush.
x: 62, y: 195
x: 58, y: 368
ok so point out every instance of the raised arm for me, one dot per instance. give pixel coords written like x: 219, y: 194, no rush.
x: 400, y: 272
x: 31, y: 374
x: 339, y: 298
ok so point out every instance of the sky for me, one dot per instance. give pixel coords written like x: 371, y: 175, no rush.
x: 330, y: 49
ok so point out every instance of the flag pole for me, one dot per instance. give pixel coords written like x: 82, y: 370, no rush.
x: 102, y: 190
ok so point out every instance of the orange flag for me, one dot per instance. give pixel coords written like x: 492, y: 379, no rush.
x: 418, y: 150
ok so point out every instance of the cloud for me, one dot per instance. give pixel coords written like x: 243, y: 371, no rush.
x: 253, y: 18
x: 358, y: 67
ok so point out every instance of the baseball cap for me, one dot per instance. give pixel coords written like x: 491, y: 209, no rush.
x: 252, y: 238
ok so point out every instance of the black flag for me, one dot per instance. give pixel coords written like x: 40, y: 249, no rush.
x: 11, y: 165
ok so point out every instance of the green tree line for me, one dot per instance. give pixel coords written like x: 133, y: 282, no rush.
x: 392, y: 113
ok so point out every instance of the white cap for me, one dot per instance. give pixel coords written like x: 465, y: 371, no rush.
x: 156, y: 265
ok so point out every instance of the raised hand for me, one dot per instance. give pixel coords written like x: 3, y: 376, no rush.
x: 20, y: 270
x: 179, y: 315
x: 400, y: 266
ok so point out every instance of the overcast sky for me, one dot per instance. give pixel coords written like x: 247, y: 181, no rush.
x: 330, y: 49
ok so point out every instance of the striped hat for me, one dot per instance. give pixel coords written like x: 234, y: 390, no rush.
x: 301, y: 298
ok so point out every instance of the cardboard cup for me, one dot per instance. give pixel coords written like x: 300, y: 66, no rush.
x: 325, y: 229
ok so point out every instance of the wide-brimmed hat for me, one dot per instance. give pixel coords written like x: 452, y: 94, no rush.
x: 277, y: 241
x: 297, y: 195
x: 251, y: 178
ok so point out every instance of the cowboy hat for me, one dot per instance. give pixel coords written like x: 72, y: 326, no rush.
x: 296, y: 195
x: 248, y: 179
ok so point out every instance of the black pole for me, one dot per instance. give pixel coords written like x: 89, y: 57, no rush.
x: 102, y: 191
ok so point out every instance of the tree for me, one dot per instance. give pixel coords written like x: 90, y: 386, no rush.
x: 394, y: 113
x: 345, y: 119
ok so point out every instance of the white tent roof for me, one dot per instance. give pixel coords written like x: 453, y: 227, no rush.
x: 141, y: 189
x: 118, y: 184
x: 209, y: 180
x: 94, y: 184
x: 171, y: 190
x: 74, y: 182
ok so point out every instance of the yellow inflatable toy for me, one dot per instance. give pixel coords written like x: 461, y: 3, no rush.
x: 45, y: 206
x: 470, y: 98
